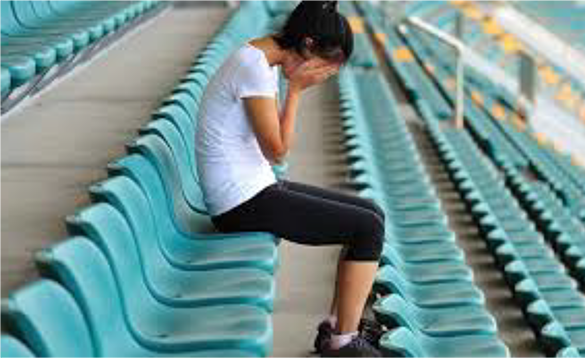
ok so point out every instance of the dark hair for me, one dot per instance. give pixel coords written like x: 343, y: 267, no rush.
x: 330, y: 32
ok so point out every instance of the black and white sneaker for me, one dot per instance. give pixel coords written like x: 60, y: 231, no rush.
x: 324, y: 332
x: 358, y: 347
x: 369, y: 329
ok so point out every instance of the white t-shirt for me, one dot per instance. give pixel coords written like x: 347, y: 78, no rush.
x: 230, y: 163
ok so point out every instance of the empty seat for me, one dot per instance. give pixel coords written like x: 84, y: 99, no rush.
x: 393, y: 310
x: 176, y: 149
x: 12, y: 347
x: 402, y: 342
x: 126, y: 320
x: 431, y: 295
x: 135, y: 241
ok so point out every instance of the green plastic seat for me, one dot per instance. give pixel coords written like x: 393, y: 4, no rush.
x: 428, y: 252
x: 194, y: 245
x: 47, y: 317
x: 132, y: 240
x: 152, y: 330
x: 20, y: 68
x: 6, y: 81
x: 137, y: 258
x: 393, y: 310
x: 95, y: 27
x: 12, y: 347
x: 176, y: 147
x: 427, y: 272
x: 186, y: 194
x: 430, y: 295
x: 28, y: 17
x: 59, y: 324
x: 401, y: 342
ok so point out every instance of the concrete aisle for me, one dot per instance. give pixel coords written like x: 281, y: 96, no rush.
x: 60, y: 143
x: 306, y: 276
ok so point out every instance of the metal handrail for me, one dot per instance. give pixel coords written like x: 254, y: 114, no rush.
x: 458, y: 47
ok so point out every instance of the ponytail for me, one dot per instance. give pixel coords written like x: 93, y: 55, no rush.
x: 329, y: 32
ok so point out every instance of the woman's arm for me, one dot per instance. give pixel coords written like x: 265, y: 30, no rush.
x: 275, y: 135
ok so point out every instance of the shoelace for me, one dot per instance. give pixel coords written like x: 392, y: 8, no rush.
x: 371, y: 331
x: 360, y: 343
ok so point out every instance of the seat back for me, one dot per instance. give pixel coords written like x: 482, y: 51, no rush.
x: 126, y: 196
x: 401, y: 342
x: 159, y: 154
x: 109, y: 230
x: 49, y: 319
x: 83, y: 269
x: 12, y: 347
x: 43, y: 9
x: 186, y: 101
x: 25, y: 13
x: 142, y: 171
x: 178, y: 149
x: 10, y: 23
x: 186, y: 127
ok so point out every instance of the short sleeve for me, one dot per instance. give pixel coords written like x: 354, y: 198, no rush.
x: 255, y: 79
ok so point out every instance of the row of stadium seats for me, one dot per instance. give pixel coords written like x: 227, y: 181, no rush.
x: 486, y: 37
x: 553, y: 304
x: 501, y: 137
x: 428, y: 297
x: 43, y: 39
x: 142, y: 273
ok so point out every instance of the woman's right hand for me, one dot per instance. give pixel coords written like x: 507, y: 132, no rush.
x: 311, y: 73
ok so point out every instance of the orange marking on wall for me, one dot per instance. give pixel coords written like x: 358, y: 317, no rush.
x: 499, y: 112
x: 577, y: 161
x: 491, y: 27
x: 357, y: 24
x: 540, y: 138
x: 549, y: 75
x: 510, y: 44
x: 477, y: 97
x: 402, y: 54
x: 459, y: 3
x: 472, y: 12
x: 380, y: 37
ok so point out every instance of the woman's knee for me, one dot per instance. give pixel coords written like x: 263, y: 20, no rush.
x: 369, y: 239
x: 378, y: 210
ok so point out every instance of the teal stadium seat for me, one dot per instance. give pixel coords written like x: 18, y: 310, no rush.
x: 402, y: 342
x: 54, y: 324
x: 394, y: 311
x: 12, y: 347
x: 177, y: 150
x: 431, y: 295
x: 192, y: 243
x: 6, y: 81
x: 125, y: 319
x: 168, y: 284
x: 172, y: 285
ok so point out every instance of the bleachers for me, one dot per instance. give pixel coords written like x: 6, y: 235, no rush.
x: 542, y: 286
x: 428, y: 298
x: 143, y: 273
x: 42, y: 40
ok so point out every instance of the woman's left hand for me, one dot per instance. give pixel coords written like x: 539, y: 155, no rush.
x: 312, y: 73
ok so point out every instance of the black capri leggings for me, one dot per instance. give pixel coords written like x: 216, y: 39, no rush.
x: 311, y: 215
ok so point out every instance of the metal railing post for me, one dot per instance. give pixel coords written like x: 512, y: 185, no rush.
x: 458, y: 47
